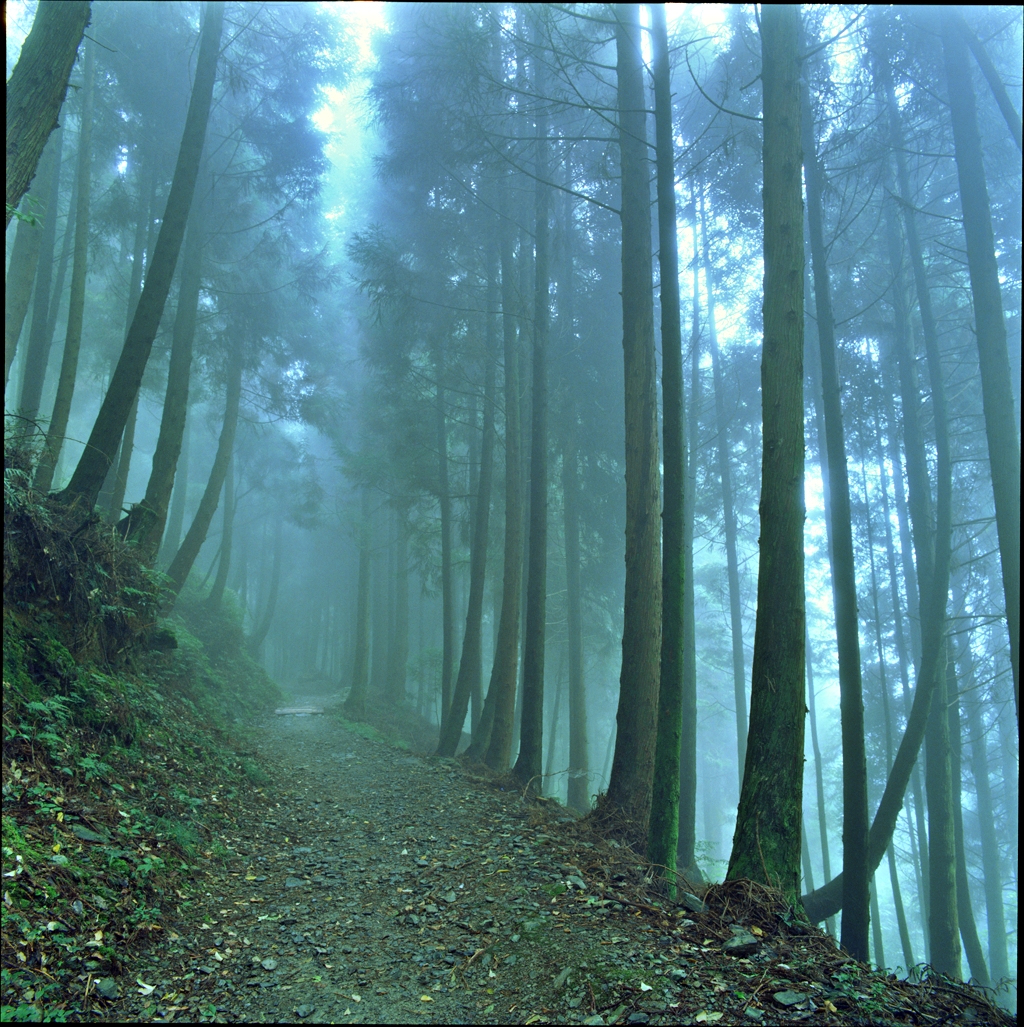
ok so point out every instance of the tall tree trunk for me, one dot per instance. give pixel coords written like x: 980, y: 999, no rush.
x: 171, y: 535
x: 355, y: 704
x: 931, y: 545
x: 901, y: 918
x: 528, y: 768
x: 25, y: 268
x: 766, y: 846
x: 943, y: 926
x: 88, y: 476
x: 44, y: 271
x: 728, y: 509
x: 632, y: 775
x: 36, y: 89
x: 819, y: 777
x: 195, y: 537
x: 993, y: 356
x: 117, y: 475
x: 44, y: 318
x: 501, y: 691
x: 145, y: 522
x: 994, y: 914
x: 379, y: 642
x: 400, y: 640
x: 995, y: 83
x: 470, y: 666
x: 262, y: 627
x: 686, y: 769
x: 964, y: 907
x: 856, y: 899
x: 578, y: 794
x: 673, y: 815
x: 76, y: 309
x: 227, y: 538
x: 445, y: 501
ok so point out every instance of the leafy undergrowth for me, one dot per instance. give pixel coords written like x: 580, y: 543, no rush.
x: 117, y: 757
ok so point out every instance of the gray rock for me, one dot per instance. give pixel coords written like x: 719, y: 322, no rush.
x: 741, y: 943
x: 691, y: 902
x: 107, y: 987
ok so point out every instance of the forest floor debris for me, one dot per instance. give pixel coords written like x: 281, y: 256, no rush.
x: 371, y: 885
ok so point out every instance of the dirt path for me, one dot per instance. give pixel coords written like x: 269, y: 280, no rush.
x: 374, y: 886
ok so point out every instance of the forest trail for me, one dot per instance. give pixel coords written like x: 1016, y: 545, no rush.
x: 375, y: 886
x: 370, y: 885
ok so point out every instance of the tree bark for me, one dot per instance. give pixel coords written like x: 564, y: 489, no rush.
x: 117, y: 474
x: 995, y: 83
x: 227, y: 537
x: 37, y: 87
x: 176, y: 518
x: 993, y: 356
x: 145, y: 522
x: 931, y: 545
x: 943, y: 926
x: 632, y: 774
x: 88, y: 477
x: 673, y: 814
x: 76, y: 307
x: 44, y: 268
x: 994, y: 913
x: 470, y: 666
x: 400, y: 641
x: 964, y: 907
x: 578, y: 794
x: 44, y: 319
x: 501, y: 690
x: 195, y: 537
x: 728, y: 509
x: 901, y: 918
x: 355, y: 704
x: 856, y: 879
x: 528, y: 768
x: 25, y: 268
x: 262, y: 628
x: 766, y: 846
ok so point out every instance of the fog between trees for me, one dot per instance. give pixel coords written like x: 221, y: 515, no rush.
x: 346, y: 315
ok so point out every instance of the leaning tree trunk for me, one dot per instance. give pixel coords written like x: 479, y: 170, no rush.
x: 993, y: 356
x: 76, y: 309
x: 766, y: 846
x: 88, y: 477
x: 182, y: 563
x: 632, y: 773
x: 856, y: 880
x: 667, y: 805
x: 36, y: 89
